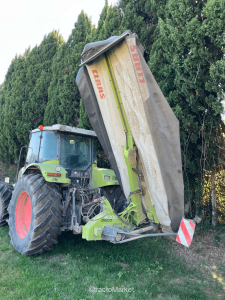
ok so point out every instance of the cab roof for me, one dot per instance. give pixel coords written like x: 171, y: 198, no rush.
x: 64, y: 128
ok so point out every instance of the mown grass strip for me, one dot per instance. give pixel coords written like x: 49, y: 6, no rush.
x: 147, y: 267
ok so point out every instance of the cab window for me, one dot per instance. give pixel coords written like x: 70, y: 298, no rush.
x: 75, y: 152
x: 32, y: 154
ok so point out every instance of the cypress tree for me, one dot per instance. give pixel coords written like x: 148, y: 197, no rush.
x: 99, y: 34
x: 15, y: 84
x: 187, y: 62
x: 60, y: 63
x: 39, y: 76
x: 25, y: 93
x: 112, y: 22
x: 141, y: 17
x: 3, y: 145
x: 5, y: 90
x: 84, y: 121
x: 64, y: 98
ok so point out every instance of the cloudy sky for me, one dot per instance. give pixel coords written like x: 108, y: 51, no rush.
x: 24, y: 23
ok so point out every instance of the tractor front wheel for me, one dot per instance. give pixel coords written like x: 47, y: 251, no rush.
x: 35, y: 215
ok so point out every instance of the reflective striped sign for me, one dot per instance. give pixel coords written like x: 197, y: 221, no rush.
x: 185, y: 232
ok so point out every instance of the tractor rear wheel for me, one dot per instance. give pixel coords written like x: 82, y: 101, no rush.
x: 115, y: 196
x: 35, y: 215
x: 5, y: 196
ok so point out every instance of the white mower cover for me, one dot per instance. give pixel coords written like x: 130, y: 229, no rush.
x: 153, y: 125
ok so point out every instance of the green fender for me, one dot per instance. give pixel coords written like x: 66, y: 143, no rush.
x: 48, y: 167
x: 103, y: 177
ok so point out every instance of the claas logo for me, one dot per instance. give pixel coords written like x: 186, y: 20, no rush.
x: 137, y: 64
x: 98, y: 84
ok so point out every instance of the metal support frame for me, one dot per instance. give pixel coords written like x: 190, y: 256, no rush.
x: 140, y: 236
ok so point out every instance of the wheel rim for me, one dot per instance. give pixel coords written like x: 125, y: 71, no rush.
x: 23, y: 215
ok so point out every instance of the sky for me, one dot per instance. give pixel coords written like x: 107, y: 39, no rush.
x: 24, y: 23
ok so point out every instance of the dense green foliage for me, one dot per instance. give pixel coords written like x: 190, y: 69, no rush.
x: 12, y: 96
x: 187, y: 61
x: 24, y: 95
x: 63, y: 95
x: 184, y: 42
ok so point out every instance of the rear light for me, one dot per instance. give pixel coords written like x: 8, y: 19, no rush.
x: 54, y: 174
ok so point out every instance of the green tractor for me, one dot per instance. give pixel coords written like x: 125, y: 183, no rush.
x: 56, y: 189
x: 61, y: 188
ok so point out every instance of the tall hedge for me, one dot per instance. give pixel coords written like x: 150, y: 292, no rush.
x: 25, y: 95
x: 14, y: 95
x: 63, y: 95
x: 186, y: 59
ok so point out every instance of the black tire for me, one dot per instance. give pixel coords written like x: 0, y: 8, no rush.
x: 46, y: 215
x: 115, y: 196
x: 5, y: 197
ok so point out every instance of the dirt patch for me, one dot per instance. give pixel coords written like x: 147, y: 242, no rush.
x: 59, y: 258
x: 195, y: 280
x: 125, y: 266
x: 177, y: 281
x: 208, y: 246
x: 207, y: 253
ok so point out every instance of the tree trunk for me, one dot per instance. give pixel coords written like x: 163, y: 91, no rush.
x: 213, y: 188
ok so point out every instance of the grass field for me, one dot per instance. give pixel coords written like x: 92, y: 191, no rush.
x: 150, y: 268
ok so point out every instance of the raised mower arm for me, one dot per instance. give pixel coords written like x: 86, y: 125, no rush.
x: 138, y: 132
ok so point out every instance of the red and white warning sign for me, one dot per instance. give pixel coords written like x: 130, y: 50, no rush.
x: 185, y: 232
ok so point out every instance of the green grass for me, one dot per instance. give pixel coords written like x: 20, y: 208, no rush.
x: 148, y: 267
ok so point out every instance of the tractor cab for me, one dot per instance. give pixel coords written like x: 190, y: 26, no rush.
x: 67, y: 156
x: 70, y: 147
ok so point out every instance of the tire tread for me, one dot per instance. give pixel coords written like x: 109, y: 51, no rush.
x: 47, y: 215
x: 5, y: 196
x: 115, y: 196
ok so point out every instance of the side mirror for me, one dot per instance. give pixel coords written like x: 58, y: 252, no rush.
x: 17, y: 162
